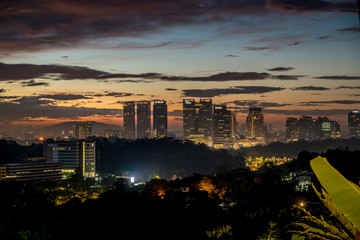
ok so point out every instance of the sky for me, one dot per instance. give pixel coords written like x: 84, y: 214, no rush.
x: 66, y: 60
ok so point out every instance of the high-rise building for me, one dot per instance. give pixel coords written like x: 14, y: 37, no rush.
x: 354, y: 124
x: 328, y: 128
x: 129, y: 120
x: 222, y: 126
x: 75, y: 154
x: 309, y: 128
x: 160, y: 119
x: 198, y: 120
x: 255, y: 125
x: 292, y: 129
x: 143, y: 119
x: 234, y: 126
x: 83, y: 130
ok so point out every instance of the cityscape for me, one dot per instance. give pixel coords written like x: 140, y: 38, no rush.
x: 206, y: 120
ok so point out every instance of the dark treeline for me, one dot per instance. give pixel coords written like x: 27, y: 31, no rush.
x: 164, y: 157
x: 292, y: 149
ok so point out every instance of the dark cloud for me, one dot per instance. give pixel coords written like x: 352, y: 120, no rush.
x: 288, y: 77
x: 24, y: 109
x: 280, y: 69
x: 33, y: 83
x: 177, y: 113
x: 312, y: 6
x: 62, y: 97
x: 261, y: 48
x: 256, y: 103
x: 293, y: 44
x: 339, y: 77
x: 208, y: 93
x: 231, y: 55
x: 2, y: 90
x: 113, y: 94
x: 170, y: 89
x: 344, y: 102
x: 324, y: 37
x: 348, y: 87
x: 311, y: 112
x: 310, y: 88
x: 354, y: 29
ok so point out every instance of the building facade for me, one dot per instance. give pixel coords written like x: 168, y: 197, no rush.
x: 222, y: 127
x: 354, y: 124
x: 255, y: 125
x: 143, y: 120
x: 74, y: 154
x: 292, y: 129
x: 37, y: 171
x: 129, y: 120
x: 160, y: 123
x: 83, y: 130
x: 198, y: 121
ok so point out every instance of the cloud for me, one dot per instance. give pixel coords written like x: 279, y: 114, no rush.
x: 231, y: 55
x: 25, y: 109
x: 269, y: 48
x: 33, y: 83
x: 354, y: 29
x: 324, y: 37
x: 256, y: 103
x: 280, y: 69
x: 312, y: 6
x: 339, y: 77
x: 344, y: 102
x: 310, y: 88
x: 348, y: 87
x: 170, y: 89
x: 177, y: 113
x: 312, y: 112
x: 2, y: 90
x: 208, y: 93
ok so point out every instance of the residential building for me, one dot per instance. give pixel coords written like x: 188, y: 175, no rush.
x: 143, y: 120
x: 354, y: 124
x: 222, y: 126
x: 292, y: 129
x: 256, y: 128
x: 129, y: 120
x: 160, y: 123
x: 83, y: 130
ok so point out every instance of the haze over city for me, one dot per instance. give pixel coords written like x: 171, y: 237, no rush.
x: 81, y: 60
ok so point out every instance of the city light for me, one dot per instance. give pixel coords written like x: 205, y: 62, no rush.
x: 132, y: 180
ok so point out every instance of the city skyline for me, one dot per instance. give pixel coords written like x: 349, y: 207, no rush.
x: 81, y: 61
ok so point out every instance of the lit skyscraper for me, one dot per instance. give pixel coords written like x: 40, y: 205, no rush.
x: 309, y: 128
x: 83, y: 130
x: 354, y: 124
x: 160, y: 119
x: 292, y: 129
x: 255, y: 124
x: 143, y: 119
x: 129, y: 120
x: 222, y: 126
x: 198, y: 120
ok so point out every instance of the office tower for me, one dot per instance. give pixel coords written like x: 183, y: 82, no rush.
x: 75, y: 154
x: 222, y: 126
x: 354, y: 124
x: 129, y: 120
x: 198, y: 120
x: 255, y: 124
x: 309, y: 128
x: 328, y: 128
x: 160, y: 119
x: 83, y: 130
x: 189, y: 118
x: 143, y: 119
x: 292, y: 129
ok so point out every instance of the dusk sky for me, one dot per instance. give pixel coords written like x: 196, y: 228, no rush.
x: 66, y: 60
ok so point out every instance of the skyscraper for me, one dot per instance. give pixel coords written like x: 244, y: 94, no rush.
x: 292, y: 129
x: 83, y: 130
x: 255, y: 124
x: 222, y: 126
x: 160, y: 119
x: 143, y: 119
x: 309, y: 128
x: 354, y: 124
x: 198, y: 120
x: 129, y: 120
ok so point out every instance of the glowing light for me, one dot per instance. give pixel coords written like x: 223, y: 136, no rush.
x: 132, y: 179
